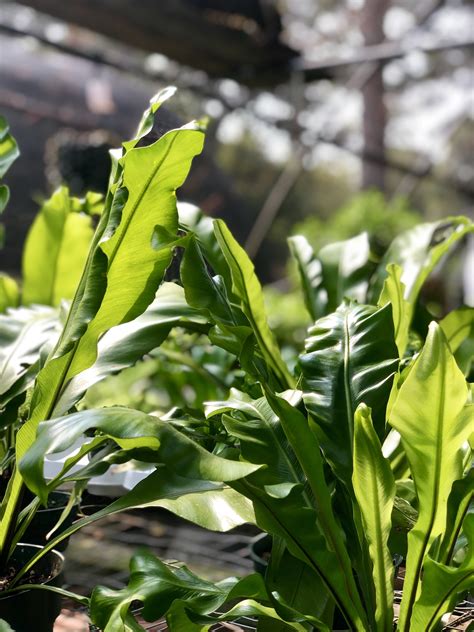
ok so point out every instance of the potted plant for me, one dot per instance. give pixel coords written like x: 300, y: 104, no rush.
x: 326, y: 482
x: 115, y: 317
x: 55, y: 250
x: 23, y: 332
x: 284, y: 454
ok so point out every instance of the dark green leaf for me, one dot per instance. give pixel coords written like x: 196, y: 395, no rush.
x: 192, y: 219
x: 460, y: 501
x: 350, y: 358
x: 4, y: 197
x: 248, y: 289
x: 180, y: 594
x: 131, y: 430
x: 283, y: 504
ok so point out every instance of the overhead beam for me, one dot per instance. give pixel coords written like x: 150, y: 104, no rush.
x: 382, y: 53
x: 221, y: 43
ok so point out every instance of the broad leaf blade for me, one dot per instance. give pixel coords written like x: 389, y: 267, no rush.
x: 393, y: 292
x: 192, y: 219
x: 431, y: 417
x: 23, y: 331
x: 55, y: 250
x: 181, y: 595
x: 247, y: 287
x: 346, y: 270
x: 460, y: 502
x: 442, y: 585
x: 203, y: 291
x: 457, y: 326
x: 282, y: 502
x: 418, y: 251
x: 350, y: 358
x: 124, y: 345
x: 210, y: 505
x: 310, y: 273
x: 131, y: 430
x: 302, y: 438
x: 122, y: 271
x: 294, y: 583
x: 134, y: 270
x: 374, y: 488
x: 9, y: 292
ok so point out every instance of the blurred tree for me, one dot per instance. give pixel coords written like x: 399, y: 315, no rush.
x: 375, y: 115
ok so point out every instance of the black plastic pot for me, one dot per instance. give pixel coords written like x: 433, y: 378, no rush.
x: 45, y: 519
x: 33, y: 610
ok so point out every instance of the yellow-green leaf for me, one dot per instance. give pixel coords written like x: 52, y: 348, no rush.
x: 431, y: 417
x: 374, y: 488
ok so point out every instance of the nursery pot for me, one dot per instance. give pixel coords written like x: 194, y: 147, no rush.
x: 33, y: 610
x: 45, y: 519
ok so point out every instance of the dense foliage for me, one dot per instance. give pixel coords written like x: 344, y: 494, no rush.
x: 361, y: 451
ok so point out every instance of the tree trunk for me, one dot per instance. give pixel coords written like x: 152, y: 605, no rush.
x: 375, y: 115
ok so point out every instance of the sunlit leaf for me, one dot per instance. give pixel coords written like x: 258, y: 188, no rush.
x: 310, y: 273
x: 23, y: 331
x: 393, y: 292
x: 9, y: 292
x: 121, y: 274
x: 442, y: 585
x: 247, y: 287
x: 431, y: 416
x: 124, y: 345
x: 417, y: 251
x: 374, y: 488
x: 131, y: 430
x: 210, y: 505
x: 55, y: 251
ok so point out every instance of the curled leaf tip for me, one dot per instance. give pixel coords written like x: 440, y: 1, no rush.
x: 163, y: 95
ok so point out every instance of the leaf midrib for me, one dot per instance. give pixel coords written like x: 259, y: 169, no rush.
x: 434, y: 504
x: 138, y: 201
x: 310, y: 560
x: 347, y: 377
x: 445, y: 597
x: 380, y: 546
x: 275, y: 365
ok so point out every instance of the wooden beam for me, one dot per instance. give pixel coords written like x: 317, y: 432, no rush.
x: 220, y: 43
x: 381, y: 53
